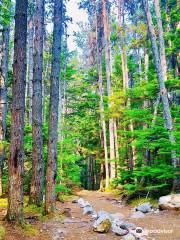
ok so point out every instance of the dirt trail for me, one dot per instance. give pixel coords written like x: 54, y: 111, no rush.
x: 166, y: 221
x: 76, y: 226
x: 80, y: 227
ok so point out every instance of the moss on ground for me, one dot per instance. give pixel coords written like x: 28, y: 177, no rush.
x: 2, y: 232
x: 67, y: 197
x: 137, y: 201
x: 3, y: 203
x: 34, y: 210
x: 27, y: 230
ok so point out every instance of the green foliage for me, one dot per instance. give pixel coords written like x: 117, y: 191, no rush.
x: 144, y: 162
x: 136, y: 202
x: 34, y: 210
x: 28, y: 230
x: 62, y: 189
x: 2, y: 232
x: 158, y: 176
x: 6, y: 12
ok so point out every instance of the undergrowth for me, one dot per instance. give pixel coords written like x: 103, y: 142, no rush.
x: 2, y: 232
x: 138, y: 201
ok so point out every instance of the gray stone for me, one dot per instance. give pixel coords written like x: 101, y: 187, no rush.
x: 87, y: 210
x: 117, y: 216
x: 156, y: 211
x: 104, y: 214
x: 145, y: 207
x: 118, y: 228
x: 170, y: 202
x: 139, y: 232
x: 137, y: 214
x: 130, y: 226
x: 94, y: 215
x: 103, y: 223
x: 81, y: 201
x: 119, y: 231
x: 117, y: 222
x: 86, y: 204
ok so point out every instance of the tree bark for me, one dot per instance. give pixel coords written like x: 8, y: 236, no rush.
x: 146, y: 68
x: 37, y: 182
x: 125, y: 69
x: 146, y: 102
x: 46, y: 77
x: 100, y: 85
x: 139, y: 63
x: 161, y: 39
x: 146, y: 64
x: 109, y: 87
x: 53, y: 109
x: 116, y: 144
x: 102, y: 117
x: 3, y: 96
x: 15, y: 161
x: 30, y: 63
x: 122, y: 44
x: 161, y: 79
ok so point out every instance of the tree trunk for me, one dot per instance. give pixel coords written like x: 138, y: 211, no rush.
x: 161, y: 39
x: 62, y: 105
x: 101, y: 176
x: 122, y: 44
x: 172, y: 27
x: 161, y: 79
x: 125, y: 68
x: 3, y: 96
x: 102, y: 119
x: 100, y: 85
x: 53, y: 109
x: 146, y: 64
x: 103, y: 124
x: 64, y: 84
x: 109, y: 87
x: 46, y: 77
x: 139, y: 63
x: 88, y: 173
x: 30, y: 63
x: 146, y: 68
x: 146, y: 102
x: 133, y: 148
x: 116, y: 144
x: 15, y: 162
x: 36, y: 192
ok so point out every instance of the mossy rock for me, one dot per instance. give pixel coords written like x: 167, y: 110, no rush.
x: 103, y: 227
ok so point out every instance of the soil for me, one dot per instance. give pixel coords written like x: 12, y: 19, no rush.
x: 74, y: 225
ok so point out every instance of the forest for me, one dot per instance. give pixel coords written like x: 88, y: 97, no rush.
x: 102, y: 118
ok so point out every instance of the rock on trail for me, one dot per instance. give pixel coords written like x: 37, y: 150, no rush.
x: 170, y: 202
x: 95, y: 211
x: 144, y: 208
x: 115, y: 223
